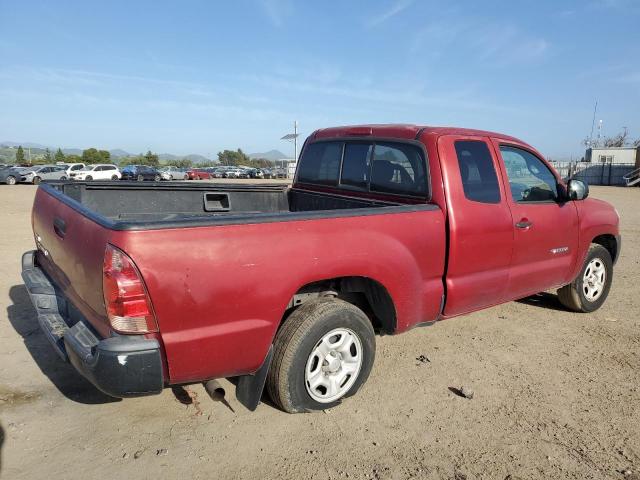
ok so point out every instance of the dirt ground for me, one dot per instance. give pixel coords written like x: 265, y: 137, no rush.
x: 557, y: 395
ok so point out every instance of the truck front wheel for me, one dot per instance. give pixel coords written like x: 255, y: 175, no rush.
x: 323, y: 353
x: 591, y: 287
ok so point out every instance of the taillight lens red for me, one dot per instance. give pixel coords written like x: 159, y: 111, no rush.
x: 125, y: 296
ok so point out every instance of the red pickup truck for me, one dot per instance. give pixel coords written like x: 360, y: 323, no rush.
x: 385, y: 228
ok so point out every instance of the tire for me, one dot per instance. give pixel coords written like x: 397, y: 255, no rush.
x: 583, y: 295
x: 170, y: 178
x: 156, y: 178
x: 63, y: 178
x: 88, y: 178
x: 295, y: 347
x: 140, y: 178
x: 10, y: 180
x: 36, y: 180
x: 114, y: 177
x: 186, y: 177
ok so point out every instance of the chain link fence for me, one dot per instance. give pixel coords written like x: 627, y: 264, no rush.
x: 605, y: 173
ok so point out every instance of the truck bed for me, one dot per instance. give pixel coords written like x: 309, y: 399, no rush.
x: 134, y: 206
x: 221, y: 263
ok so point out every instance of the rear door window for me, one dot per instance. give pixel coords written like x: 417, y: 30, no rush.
x: 477, y: 171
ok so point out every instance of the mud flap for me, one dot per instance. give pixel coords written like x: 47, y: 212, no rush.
x: 249, y: 388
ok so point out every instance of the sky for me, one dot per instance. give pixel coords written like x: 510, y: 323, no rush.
x: 202, y: 76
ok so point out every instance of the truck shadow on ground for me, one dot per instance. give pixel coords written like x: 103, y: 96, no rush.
x: 544, y: 300
x: 1, y: 445
x: 65, y: 378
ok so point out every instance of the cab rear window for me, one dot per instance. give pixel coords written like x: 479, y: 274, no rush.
x: 320, y: 163
x: 397, y: 168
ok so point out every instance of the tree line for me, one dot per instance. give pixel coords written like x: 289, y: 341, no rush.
x: 621, y: 139
x: 94, y: 155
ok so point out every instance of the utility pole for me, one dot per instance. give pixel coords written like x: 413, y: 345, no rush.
x: 293, y: 137
x: 295, y: 141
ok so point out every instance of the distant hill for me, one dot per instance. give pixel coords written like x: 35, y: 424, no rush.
x: 24, y: 145
x: 7, y: 153
x: 117, y: 153
x: 270, y: 155
x: 72, y: 151
x: 195, y: 158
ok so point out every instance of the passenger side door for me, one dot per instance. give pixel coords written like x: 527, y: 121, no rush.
x: 480, y: 224
x: 545, y: 226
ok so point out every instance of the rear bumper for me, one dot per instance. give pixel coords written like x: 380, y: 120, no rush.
x: 120, y: 366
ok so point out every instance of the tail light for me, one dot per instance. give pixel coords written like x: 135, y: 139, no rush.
x: 125, y: 296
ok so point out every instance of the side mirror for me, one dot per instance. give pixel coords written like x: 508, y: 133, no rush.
x: 577, y: 190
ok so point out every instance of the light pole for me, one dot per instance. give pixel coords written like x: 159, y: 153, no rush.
x: 292, y: 137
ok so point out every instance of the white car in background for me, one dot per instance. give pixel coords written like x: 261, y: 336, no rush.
x: 72, y: 168
x: 173, y: 173
x: 100, y: 171
x: 44, y: 172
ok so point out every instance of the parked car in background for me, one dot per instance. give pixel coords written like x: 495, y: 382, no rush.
x: 140, y: 173
x: 256, y: 173
x: 266, y: 173
x: 217, y: 172
x: 12, y: 175
x: 73, y: 168
x: 198, y: 174
x: 173, y: 173
x: 236, y: 173
x: 101, y: 171
x: 45, y: 172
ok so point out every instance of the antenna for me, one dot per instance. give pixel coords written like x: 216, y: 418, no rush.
x: 593, y: 122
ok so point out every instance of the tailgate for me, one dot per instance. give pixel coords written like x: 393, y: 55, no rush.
x: 71, y: 250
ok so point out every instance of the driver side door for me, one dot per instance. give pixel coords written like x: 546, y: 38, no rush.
x: 545, y: 226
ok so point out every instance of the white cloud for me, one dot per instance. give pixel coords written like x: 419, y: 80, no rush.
x: 501, y: 44
x: 277, y: 11
x: 396, y: 7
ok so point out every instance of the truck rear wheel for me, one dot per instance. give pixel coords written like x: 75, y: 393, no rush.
x: 591, y: 287
x: 323, y: 353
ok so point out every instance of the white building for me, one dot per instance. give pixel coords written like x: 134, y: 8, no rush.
x: 614, y: 155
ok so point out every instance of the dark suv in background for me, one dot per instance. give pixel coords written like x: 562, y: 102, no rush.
x: 140, y: 173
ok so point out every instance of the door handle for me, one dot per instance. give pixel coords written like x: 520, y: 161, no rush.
x: 60, y: 227
x: 524, y: 224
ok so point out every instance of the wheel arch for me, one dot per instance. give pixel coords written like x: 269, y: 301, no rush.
x: 610, y: 243
x: 368, y: 294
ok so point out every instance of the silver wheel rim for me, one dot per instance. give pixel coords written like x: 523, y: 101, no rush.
x: 333, y: 365
x: 11, y: 181
x: 593, y: 280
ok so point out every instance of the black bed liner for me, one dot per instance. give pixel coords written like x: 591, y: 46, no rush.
x: 136, y: 206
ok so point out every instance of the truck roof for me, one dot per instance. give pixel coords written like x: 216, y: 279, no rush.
x: 401, y: 130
